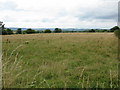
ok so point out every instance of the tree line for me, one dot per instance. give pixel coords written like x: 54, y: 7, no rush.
x: 7, y: 31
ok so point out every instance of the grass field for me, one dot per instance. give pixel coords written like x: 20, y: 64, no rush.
x: 65, y: 60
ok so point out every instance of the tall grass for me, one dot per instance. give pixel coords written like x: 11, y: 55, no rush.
x: 60, y: 61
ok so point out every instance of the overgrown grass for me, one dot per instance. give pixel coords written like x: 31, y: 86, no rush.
x: 60, y: 61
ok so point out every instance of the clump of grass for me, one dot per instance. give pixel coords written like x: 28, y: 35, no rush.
x: 26, y: 42
x: 8, y: 41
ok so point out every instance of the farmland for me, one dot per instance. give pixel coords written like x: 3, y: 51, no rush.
x: 60, y: 60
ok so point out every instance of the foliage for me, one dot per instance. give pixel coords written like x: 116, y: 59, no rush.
x: 37, y: 31
x: 47, y: 31
x: 29, y: 31
x: 114, y: 28
x: 4, y: 32
x: 41, y: 31
x: 7, y: 31
x: 92, y: 30
x: 117, y: 33
x: 19, y: 31
x: 58, y: 30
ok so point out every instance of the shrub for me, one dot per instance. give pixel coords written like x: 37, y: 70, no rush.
x: 58, y: 30
x: 19, y: 31
x: 117, y: 33
x: 47, y: 31
x: 29, y: 31
x: 37, y: 31
x: 114, y: 28
x: 92, y: 30
x: 4, y: 32
x: 7, y: 31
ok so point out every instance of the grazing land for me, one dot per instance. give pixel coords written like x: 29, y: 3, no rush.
x: 60, y: 60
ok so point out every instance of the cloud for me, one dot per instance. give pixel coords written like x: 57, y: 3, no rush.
x: 8, y: 5
x: 104, y: 11
x: 59, y: 13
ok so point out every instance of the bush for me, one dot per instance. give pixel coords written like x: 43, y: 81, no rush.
x: 92, y: 30
x: 29, y: 31
x: 19, y: 31
x: 4, y: 32
x: 47, y: 31
x: 37, y: 31
x: 7, y: 31
x: 117, y: 33
x: 41, y: 31
x: 114, y: 28
x: 58, y: 30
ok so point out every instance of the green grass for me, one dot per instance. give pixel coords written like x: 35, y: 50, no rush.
x: 82, y: 60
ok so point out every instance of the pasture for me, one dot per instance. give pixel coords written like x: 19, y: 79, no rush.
x: 60, y: 60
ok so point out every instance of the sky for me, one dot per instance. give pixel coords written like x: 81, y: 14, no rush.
x: 59, y: 13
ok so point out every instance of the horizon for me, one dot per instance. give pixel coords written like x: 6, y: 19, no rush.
x: 56, y: 27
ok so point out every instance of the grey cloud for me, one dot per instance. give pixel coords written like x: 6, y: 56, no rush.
x: 46, y: 20
x: 37, y: 20
x: 99, y: 13
x: 9, y: 5
x: 110, y: 16
x: 9, y: 19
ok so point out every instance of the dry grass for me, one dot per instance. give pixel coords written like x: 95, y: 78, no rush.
x: 72, y: 60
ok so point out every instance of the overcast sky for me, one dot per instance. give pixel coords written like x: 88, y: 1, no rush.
x: 59, y: 13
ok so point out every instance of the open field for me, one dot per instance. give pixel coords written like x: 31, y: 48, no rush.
x: 66, y: 60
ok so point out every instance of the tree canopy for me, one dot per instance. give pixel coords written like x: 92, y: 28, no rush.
x: 7, y: 31
x: 30, y: 31
x: 114, y: 28
x: 57, y: 30
x: 47, y: 31
x: 19, y: 31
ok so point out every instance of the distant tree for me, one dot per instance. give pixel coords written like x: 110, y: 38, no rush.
x: 4, y: 32
x: 19, y: 31
x: 108, y: 30
x: 41, y: 31
x: 7, y: 31
x: 103, y: 30
x: 58, y: 30
x: 114, y: 28
x: 2, y: 28
x: 92, y: 30
x: 47, y: 31
x: 30, y: 31
x: 1, y: 23
x: 24, y: 32
x: 37, y: 31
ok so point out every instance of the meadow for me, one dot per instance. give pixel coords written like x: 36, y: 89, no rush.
x: 60, y: 60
